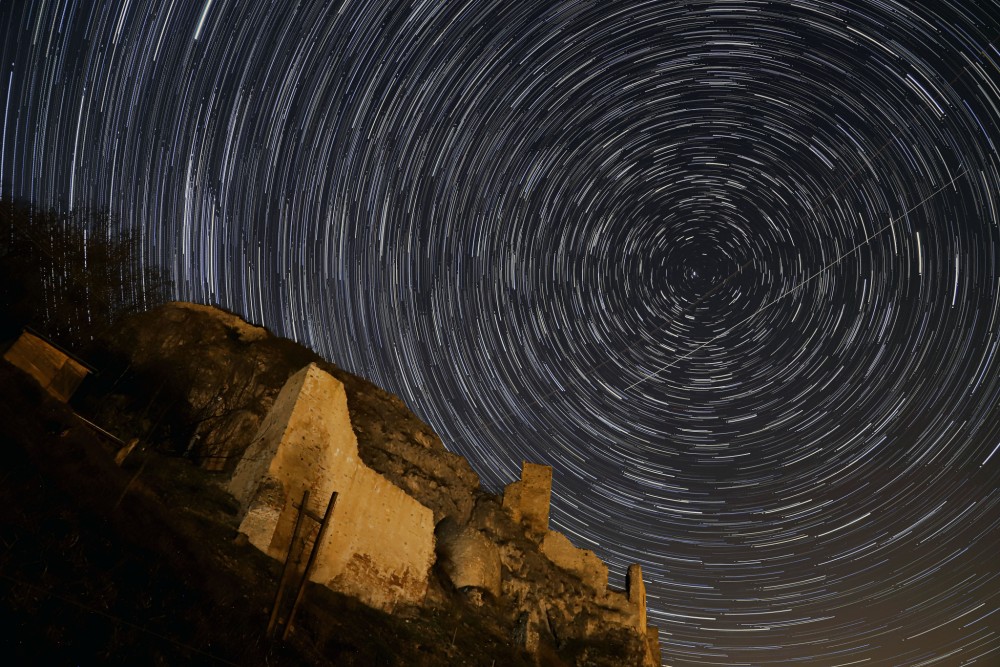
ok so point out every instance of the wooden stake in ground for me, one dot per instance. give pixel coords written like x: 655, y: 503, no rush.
x: 288, y: 569
x: 312, y: 561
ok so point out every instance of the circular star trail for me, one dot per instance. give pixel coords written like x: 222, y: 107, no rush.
x: 729, y: 266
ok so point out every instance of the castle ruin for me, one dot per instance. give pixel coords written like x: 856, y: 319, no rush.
x: 382, y: 543
x: 527, y: 501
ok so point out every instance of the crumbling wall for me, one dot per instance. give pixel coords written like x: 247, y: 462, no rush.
x: 251, y: 472
x: 654, y: 657
x: 380, y: 545
x: 57, y: 372
x: 527, y: 500
x: 563, y: 611
x: 635, y: 589
x: 468, y: 558
x: 583, y: 563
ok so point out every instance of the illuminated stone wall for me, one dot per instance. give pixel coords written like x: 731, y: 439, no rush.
x: 528, y: 499
x: 635, y: 590
x: 527, y: 502
x: 380, y: 544
x: 582, y: 562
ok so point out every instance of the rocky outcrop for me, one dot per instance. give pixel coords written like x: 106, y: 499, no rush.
x: 469, y: 559
x: 216, y: 379
x: 201, y: 380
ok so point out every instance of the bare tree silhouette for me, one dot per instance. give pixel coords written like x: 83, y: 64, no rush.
x: 70, y: 275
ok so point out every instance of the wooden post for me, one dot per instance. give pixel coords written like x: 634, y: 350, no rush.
x: 287, y: 569
x: 312, y: 561
x: 106, y: 434
x: 125, y: 451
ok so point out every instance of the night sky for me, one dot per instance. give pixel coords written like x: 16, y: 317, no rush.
x: 730, y: 267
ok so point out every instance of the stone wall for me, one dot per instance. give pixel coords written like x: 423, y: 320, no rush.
x: 468, y: 558
x: 57, y: 372
x: 254, y: 392
x: 583, y: 563
x: 527, y: 500
x: 635, y: 590
x: 654, y: 656
x: 379, y: 547
x: 381, y: 542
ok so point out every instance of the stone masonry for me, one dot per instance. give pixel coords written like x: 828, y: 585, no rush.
x: 55, y: 370
x: 635, y: 590
x: 527, y: 502
x: 379, y: 547
x: 469, y: 559
x: 582, y: 562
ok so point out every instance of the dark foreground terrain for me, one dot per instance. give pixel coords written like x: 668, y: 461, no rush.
x: 139, y: 564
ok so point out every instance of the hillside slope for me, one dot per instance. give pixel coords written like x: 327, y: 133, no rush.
x: 193, y: 384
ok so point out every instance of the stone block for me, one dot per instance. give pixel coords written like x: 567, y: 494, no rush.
x: 52, y: 368
x: 380, y: 544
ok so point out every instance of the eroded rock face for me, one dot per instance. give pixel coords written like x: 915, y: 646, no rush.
x: 215, y: 379
x: 412, y: 455
x: 583, y: 563
x: 210, y: 378
x: 468, y: 558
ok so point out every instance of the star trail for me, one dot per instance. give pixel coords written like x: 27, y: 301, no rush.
x: 730, y: 266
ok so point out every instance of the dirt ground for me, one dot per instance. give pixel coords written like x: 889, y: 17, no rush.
x: 139, y: 564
